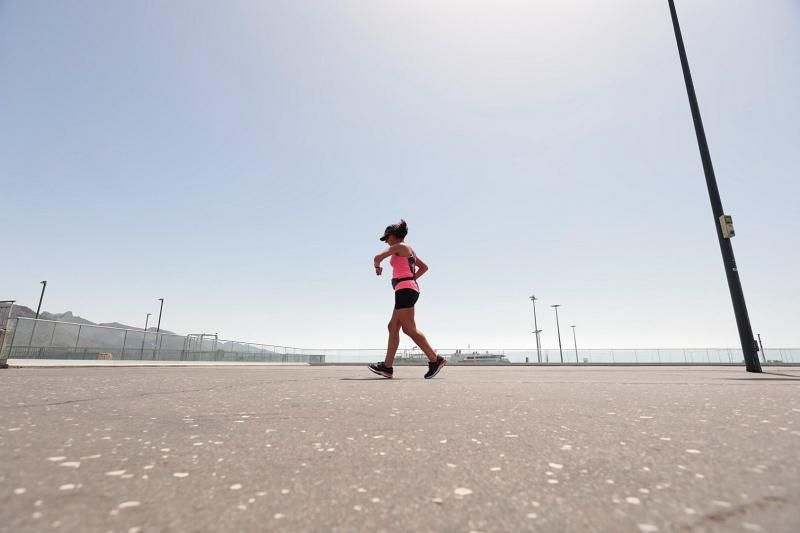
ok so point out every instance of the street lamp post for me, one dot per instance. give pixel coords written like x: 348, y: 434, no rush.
x: 33, y: 329
x: 160, y: 310
x: 558, y: 328
x: 720, y: 219
x: 575, y: 340
x: 536, y: 330
x: 538, y: 346
x: 41, y: 297
x: 158, y: 327
x: 144, y: 334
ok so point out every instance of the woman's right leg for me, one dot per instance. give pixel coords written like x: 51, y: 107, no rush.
x: 394, y: 339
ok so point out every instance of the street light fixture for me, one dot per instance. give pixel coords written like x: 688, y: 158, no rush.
x: 536, y: 330
x: 558, y: 328
x: 722, y: 222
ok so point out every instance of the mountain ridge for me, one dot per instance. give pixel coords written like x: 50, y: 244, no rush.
x: 21, y: 311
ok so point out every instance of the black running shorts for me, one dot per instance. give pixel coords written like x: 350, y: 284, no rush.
x: 405, y: 298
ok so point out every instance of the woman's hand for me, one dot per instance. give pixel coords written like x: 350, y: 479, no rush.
x: 378, y: 270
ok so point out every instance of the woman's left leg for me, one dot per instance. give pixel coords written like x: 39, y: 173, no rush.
x: 406, y: 318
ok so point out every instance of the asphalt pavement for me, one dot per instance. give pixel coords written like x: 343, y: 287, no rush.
x: 286, y: 448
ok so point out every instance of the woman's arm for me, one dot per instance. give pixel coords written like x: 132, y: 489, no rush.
x: 390, y: 251
x: 423, y: 267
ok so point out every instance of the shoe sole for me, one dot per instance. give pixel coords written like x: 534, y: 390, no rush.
x: 444, y: 362
x: 379, y: 373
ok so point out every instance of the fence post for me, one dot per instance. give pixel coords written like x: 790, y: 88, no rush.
x: 14, y: 336
x: 124, y: 342
x: 33, y: 332
x: 4, y: 362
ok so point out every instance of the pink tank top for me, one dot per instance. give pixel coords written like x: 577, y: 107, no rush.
x: 403, y: 267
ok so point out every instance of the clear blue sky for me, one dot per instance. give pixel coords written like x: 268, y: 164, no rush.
x: 240, y: 159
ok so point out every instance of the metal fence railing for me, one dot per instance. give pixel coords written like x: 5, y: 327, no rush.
x: 628, y: 356
x: 27, y: 338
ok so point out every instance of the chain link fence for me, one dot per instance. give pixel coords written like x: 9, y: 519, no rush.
x: 27, y: 338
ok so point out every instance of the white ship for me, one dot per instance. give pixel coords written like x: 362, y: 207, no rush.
x: 415, y: 356
x: 477, y: 358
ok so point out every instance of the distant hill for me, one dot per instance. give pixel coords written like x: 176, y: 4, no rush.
x: 26, y: 312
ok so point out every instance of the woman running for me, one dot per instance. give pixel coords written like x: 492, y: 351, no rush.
x: 406, y: 269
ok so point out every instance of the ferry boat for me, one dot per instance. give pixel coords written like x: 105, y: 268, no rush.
x: 415, y: 356
x: 478, y: 358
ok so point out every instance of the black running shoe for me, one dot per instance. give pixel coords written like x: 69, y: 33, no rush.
x: 434, y: 367
x: 381, y: 369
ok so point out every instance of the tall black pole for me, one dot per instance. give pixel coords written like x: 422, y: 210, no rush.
x: 158, y: 328
x: 734, y: 284
x: 41, y: 297
x: 560, y: 351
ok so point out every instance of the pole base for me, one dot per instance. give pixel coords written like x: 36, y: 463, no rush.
x: 755, y: 370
